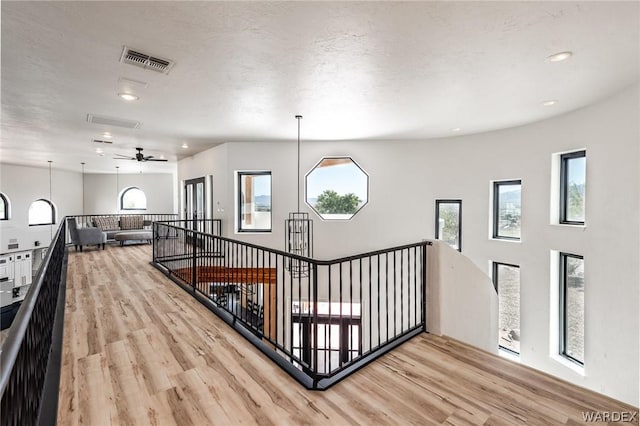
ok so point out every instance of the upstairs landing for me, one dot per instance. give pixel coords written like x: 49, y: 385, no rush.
x: 139, y: 350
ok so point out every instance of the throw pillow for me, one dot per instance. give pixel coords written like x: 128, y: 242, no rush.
x: 131, y: 222
x: 106, y: 223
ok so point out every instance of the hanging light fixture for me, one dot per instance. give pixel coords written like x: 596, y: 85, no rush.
x: 117, y: 188
x: 299, y: 229
x: 83, y: 187
x: 50, y: 200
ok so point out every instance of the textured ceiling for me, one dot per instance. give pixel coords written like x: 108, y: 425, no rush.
x: 355, y: 70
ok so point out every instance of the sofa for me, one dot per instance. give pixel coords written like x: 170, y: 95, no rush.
x: 112, y: 225
x: 85, y: 236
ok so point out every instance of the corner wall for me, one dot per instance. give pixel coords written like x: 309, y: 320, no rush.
x: 406, y: 177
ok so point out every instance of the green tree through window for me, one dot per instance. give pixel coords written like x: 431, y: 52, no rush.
x: 330, y: 202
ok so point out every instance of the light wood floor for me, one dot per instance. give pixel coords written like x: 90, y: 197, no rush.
x: 139, y: 350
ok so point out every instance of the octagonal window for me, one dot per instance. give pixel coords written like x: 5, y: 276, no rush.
x: 336, y: 188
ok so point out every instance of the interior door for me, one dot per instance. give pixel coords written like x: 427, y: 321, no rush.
x: 194, y: 203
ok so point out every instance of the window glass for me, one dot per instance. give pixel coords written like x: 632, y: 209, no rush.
x: 573, y: 187
x: 254, y: 201
x: 449, y: 222
x: 572, y: 317
x: 506, y: 209
x: 4, y: 207
x: 41, y: 212
x: 506, y: 278
x: 337, y: 188
x: 133, y: 199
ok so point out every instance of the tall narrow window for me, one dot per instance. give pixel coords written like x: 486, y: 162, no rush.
x: 42, y: 212
x: 506, y: 209
x: 449, y: 222
x: 573, y: 178
x: 572, y: 307
x: 506, y: 279
x: 4, y: 207
x: 254, y: 201
x: 133, y: 198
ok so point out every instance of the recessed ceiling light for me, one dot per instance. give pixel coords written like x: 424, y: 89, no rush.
x: 549, y: 102
x: 559, y: 57
x: 456, y: 129
x: 185, y: 146
x: 128, y: 97
x: 162, y: 156
x: 99, y: 151
x: 107, y: 135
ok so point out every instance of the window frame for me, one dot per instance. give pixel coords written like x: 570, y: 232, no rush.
x: 53, y: 212
x: 239, y: 203
x: 437, y: 223
x: 496, y: 209
x: 494, y: 277
x: 563, y: 307
x: 306, y: 186
x: 564, y: 185
x: 122, y: 194
x: 7, y: 212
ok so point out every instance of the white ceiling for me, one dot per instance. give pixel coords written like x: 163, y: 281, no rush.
x: 355, y: 70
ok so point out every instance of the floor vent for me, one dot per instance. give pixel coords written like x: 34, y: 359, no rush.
x: 146, y: 61
x: 112, y: 121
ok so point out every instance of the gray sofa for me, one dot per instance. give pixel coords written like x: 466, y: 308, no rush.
x: 85, y: 236
x: 112, y: 225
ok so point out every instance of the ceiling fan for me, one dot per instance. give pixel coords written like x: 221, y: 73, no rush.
x: 138, y: 157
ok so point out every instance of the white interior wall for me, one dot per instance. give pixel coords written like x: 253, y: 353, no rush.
x: 406, y: 177
x: 460, y: 296
x: 101, y: 191
x: 23, y: 185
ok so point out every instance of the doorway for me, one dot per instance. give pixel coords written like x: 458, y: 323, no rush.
x: 194, y: 202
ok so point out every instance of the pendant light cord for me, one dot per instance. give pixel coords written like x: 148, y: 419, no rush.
x: 82, y: 187
x: 298, y: 117
x: 51, y: 201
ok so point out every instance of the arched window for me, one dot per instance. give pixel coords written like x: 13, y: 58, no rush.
x: 42, y: 212
x: 5, y: 211
x: 133, y: 198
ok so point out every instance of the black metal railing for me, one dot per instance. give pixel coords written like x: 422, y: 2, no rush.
x: 30, y: 362
x: 320, y: 326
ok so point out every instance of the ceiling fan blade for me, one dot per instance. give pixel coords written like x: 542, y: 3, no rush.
x: 123, y: 158
x: 154, y: 159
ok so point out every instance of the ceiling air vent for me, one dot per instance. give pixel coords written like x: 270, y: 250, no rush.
x: 143, y: 60
x: 112, y: 121
x: 101, y: 141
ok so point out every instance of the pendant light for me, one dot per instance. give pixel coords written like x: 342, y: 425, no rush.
x: 83, y: 187
x: 299, y: 231
x: 51, y: 201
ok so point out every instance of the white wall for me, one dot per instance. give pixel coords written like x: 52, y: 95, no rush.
x: 211, y: 162
x: 460, y: 296
x: 102, y: 193
x: 23, y: 185
x: 406, y: 177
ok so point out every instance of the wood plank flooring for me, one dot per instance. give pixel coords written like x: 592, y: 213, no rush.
x: 138, y: 350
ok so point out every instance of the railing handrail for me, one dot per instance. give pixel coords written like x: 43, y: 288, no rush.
x: 11, y: 346
x: 121, y: 214
x: 388, y: 284
x: 319, y: 262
